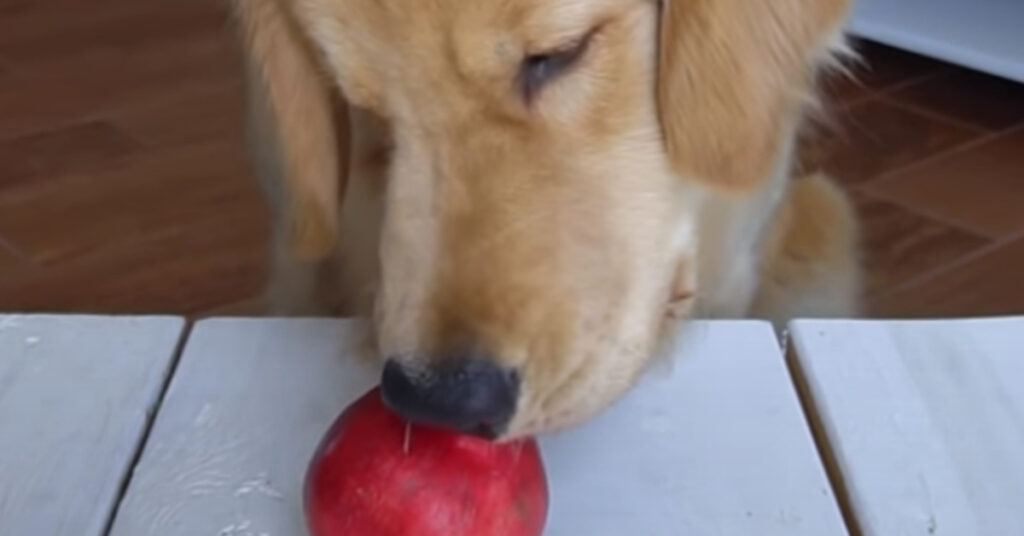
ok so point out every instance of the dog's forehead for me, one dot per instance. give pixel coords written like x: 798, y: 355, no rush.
x: 389, y: 54
x: 525, y: 18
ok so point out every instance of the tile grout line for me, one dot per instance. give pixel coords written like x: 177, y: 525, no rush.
x: 115, y: 115
x: 979, y: 137
x: 982, y: 138
x: 963, y: 260
x: 107, y: 114
x: 48, y: 128
x: 932, y: 114
x: 881, y: 92
x: 145, y: 143
x: 926, y: 214
x: 884, y: 91
x: 870, y: 189
x: 909, y: 82
x: 939, y: 71
x: 8, y: 246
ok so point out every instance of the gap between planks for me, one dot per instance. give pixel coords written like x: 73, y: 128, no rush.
x: 821, y: 443
x: 151, y: 413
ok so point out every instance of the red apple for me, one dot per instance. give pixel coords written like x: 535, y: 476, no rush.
x: 375, y: 475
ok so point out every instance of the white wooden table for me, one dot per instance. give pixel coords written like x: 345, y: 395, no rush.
x: 921, y: 426
x: 924, y: 420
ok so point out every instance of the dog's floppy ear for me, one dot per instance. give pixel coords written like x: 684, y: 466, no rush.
x: 291, y: 103
x: 729, y: 75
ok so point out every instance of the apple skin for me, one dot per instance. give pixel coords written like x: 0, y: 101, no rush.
x: 373, y: 474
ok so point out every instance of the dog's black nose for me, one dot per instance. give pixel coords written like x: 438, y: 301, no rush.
x: 472, y: 395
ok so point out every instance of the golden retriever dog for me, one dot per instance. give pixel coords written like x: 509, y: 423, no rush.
x: 523, y: 195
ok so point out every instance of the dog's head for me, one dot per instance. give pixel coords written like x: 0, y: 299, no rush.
x: 548, y: 164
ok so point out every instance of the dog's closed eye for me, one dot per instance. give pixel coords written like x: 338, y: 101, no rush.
x: 538, y: 69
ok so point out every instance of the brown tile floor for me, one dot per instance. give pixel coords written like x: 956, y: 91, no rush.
x: 124, y: 188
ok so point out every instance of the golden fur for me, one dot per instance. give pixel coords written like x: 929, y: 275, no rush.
x: 412, y: 181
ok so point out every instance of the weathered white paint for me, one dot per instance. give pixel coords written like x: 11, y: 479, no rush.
x: 711, y: 443
x: 925, y: 418
x: 715, y: 444
x: 75, y: 397
x: 248, y: 404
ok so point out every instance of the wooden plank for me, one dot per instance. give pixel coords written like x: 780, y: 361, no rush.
x: 248, y: 403
x: 76, y: 393
x: 925, y: 420
x: 981, y: 34
x: 712, y: 443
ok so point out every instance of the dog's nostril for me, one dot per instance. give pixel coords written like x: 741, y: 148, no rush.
x: 471, y: 395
